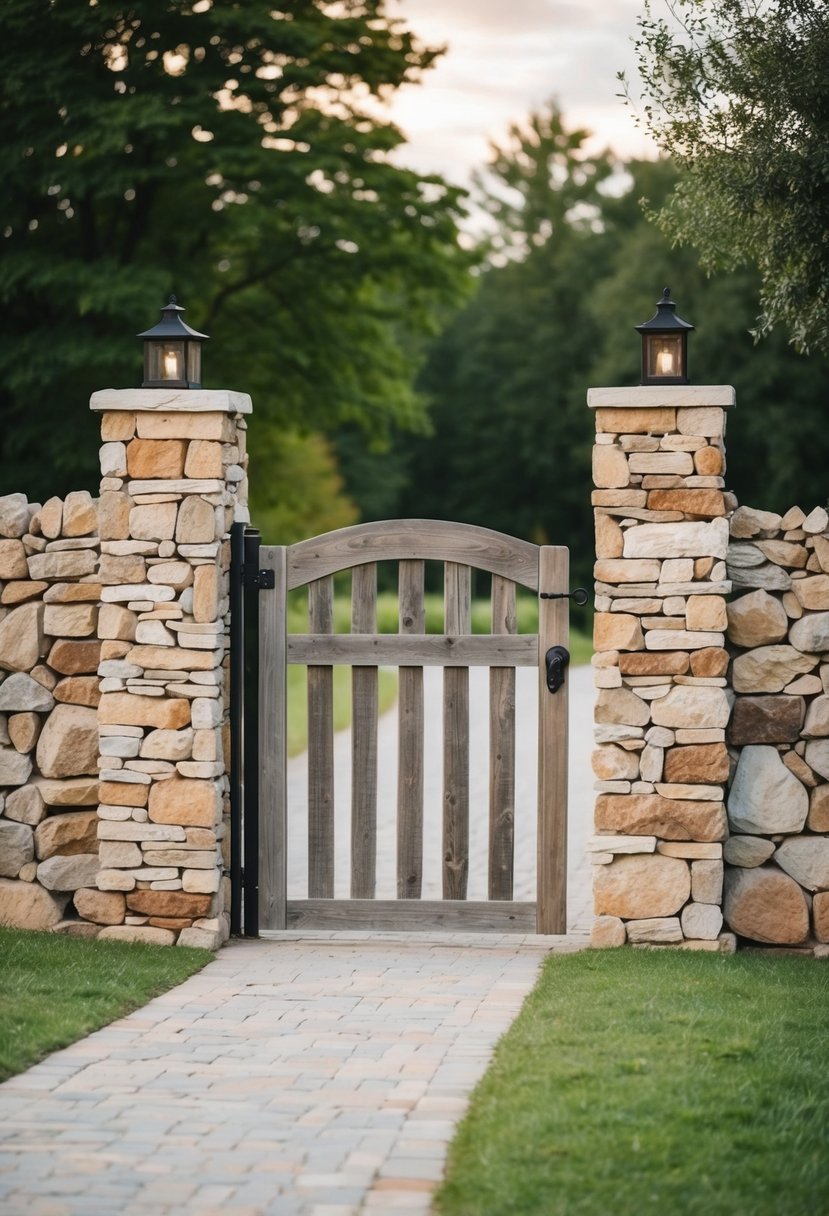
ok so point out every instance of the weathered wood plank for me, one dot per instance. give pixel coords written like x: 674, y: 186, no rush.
x: 553, y: 630
x: 502, y: 749
x: 414, y: 539
x: 391, y: 915
x: 321, y: 749
x: 273, y: 791
x: 431, y: 650
x: 363, y: 740
x: 410, y: 740
x: 457, y: 582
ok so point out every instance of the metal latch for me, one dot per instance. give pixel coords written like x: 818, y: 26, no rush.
x: 557, y: 659
x: 258, y: 580
x: 578, y: 596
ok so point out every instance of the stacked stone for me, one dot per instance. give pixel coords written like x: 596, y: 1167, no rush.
x: 173, y: 466
x: 49, y: 654
x: 777, y: 872
x: 660, y: 665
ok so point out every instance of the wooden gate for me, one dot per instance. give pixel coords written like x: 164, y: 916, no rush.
x: 410, y: 543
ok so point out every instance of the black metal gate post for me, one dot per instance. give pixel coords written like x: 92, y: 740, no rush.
x: 244, y: 727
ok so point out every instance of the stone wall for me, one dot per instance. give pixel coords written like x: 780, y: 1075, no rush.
x: 777, y: 855
x: 660, y: 665
x: 113, y: 633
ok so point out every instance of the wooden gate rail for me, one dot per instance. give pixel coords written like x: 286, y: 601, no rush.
x: 411, y: 543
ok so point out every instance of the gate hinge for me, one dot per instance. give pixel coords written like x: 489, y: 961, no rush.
x: 258, y: 580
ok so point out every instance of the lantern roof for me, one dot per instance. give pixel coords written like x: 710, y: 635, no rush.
x: 171, y: 325
x: 665, y: 318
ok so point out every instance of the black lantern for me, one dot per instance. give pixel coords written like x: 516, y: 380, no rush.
x: 172, y: 351
x: 665, y: 345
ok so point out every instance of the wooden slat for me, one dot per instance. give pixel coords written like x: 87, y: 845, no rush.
x: 321, y: 749
x: 363, y: 740
x: 395, y: 650
x: 391, y: 915
x: 410, y: 741
x: 273, y: 792
x: 457, y: 581
x: 553, y: 630
x: 414, y: 539
x: 502, y: 749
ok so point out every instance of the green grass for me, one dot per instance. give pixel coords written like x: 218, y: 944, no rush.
x: 654, y: 1083
x: 56, y: 989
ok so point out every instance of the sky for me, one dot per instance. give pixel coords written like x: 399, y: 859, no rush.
x: 505, y: 58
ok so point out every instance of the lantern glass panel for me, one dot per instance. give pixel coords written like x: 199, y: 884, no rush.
x: 165, y: 362
x: 194, y: 363
x: 663, y: 355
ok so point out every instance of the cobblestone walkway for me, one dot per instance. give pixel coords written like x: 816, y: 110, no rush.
x: 313, y: 1075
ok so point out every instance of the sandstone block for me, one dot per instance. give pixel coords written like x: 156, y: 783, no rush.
x: 746, y: 522
x: 691, y: 850
x: 817, y: 756
x: 78, y: 690
x: 670, y: 639
x: 116, y: 623
x: 710, y: 663
x: 16, y: 847
x: 14, y: 515
x: 647, y: 664
x: 67, y: 835
x: 699, y: 793
x: 816, y: 521
x: 692, y: 706
x: 767, y: 719
x: 115, y: 880
x: 194, y: 859
x: 765, y: 796
x: 702, y: 921
x: 204, y: 459
x: 756, y: 619
x: 156, y: 521
x: 138, y: 933
x: 25, y: 905
x: 810, y: 633
x: 207, y: 425
x: 196, y: 522
x: 102, y: 907
x: 114, y: 515
x: 706, y: 885
x: 622, y: 707
x: 201, y: 881
x: 168, y: 745
x: 693, y: 539
x: 119, y: 854
x: 123, y: 793
x: 665, y: 818
x: 770, y: 668
x: 186, y: 801
x: 62, y: 564
x: 201, y: 939
x: 68, y: 873
x: 812, y: 593
x: 177, y: 575
x: 125, y: 709
x: 80, y: 514
x: 818, y: 820
x: 765, y: 905
x: 806, y: 859
x: 19, y: 693
x: 783, y: 553
x: 707, y: 763
x: 25, y: 805
x: 608, y: 536
x: 71, y: 791
x: 18, y: 592
x: 651, y: 763
x: 615, y: 631
x: 747, y: 851
x: 206, y: 593
x: 611, y: 763
x: 70, y: 620
x: 13, y: 560
x: 122, y: 570
x: 138, y: 831
x: 800, y: 768
x: 768, y: 577
x: 644, y: 420
x: 680, y: 464
x: 709, y: 461
x: 156, y: 458
x: 656, y: 931
x: 75, y: 658
x: 169, y: 903
x: 610, y: 467
x: 174, y: 658
x: 624, y: 570
x: 606, y: 932
x: 15, y: 769
x: 68, y: 744
x: 640, y: 886
x: 706, y: 612
x: 21, y: 638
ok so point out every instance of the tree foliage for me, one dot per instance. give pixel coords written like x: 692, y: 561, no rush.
x: 226, y: 152
x: 737, y: 93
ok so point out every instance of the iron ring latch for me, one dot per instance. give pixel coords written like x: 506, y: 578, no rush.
x: 578, y: 596
x: 557, y: 658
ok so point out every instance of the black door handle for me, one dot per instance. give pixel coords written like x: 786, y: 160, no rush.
x: 557, y: 659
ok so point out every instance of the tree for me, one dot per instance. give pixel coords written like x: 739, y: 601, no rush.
x: 737, y: 93
x: 224, y: 152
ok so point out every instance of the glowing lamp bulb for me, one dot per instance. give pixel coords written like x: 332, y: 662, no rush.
x: 665, y: 363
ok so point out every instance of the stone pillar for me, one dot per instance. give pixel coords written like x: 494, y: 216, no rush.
x: 173, y: 482
x: 660, y: 664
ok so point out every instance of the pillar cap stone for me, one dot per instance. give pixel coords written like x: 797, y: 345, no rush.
x: 172, y: 401
x: 656, y: 395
